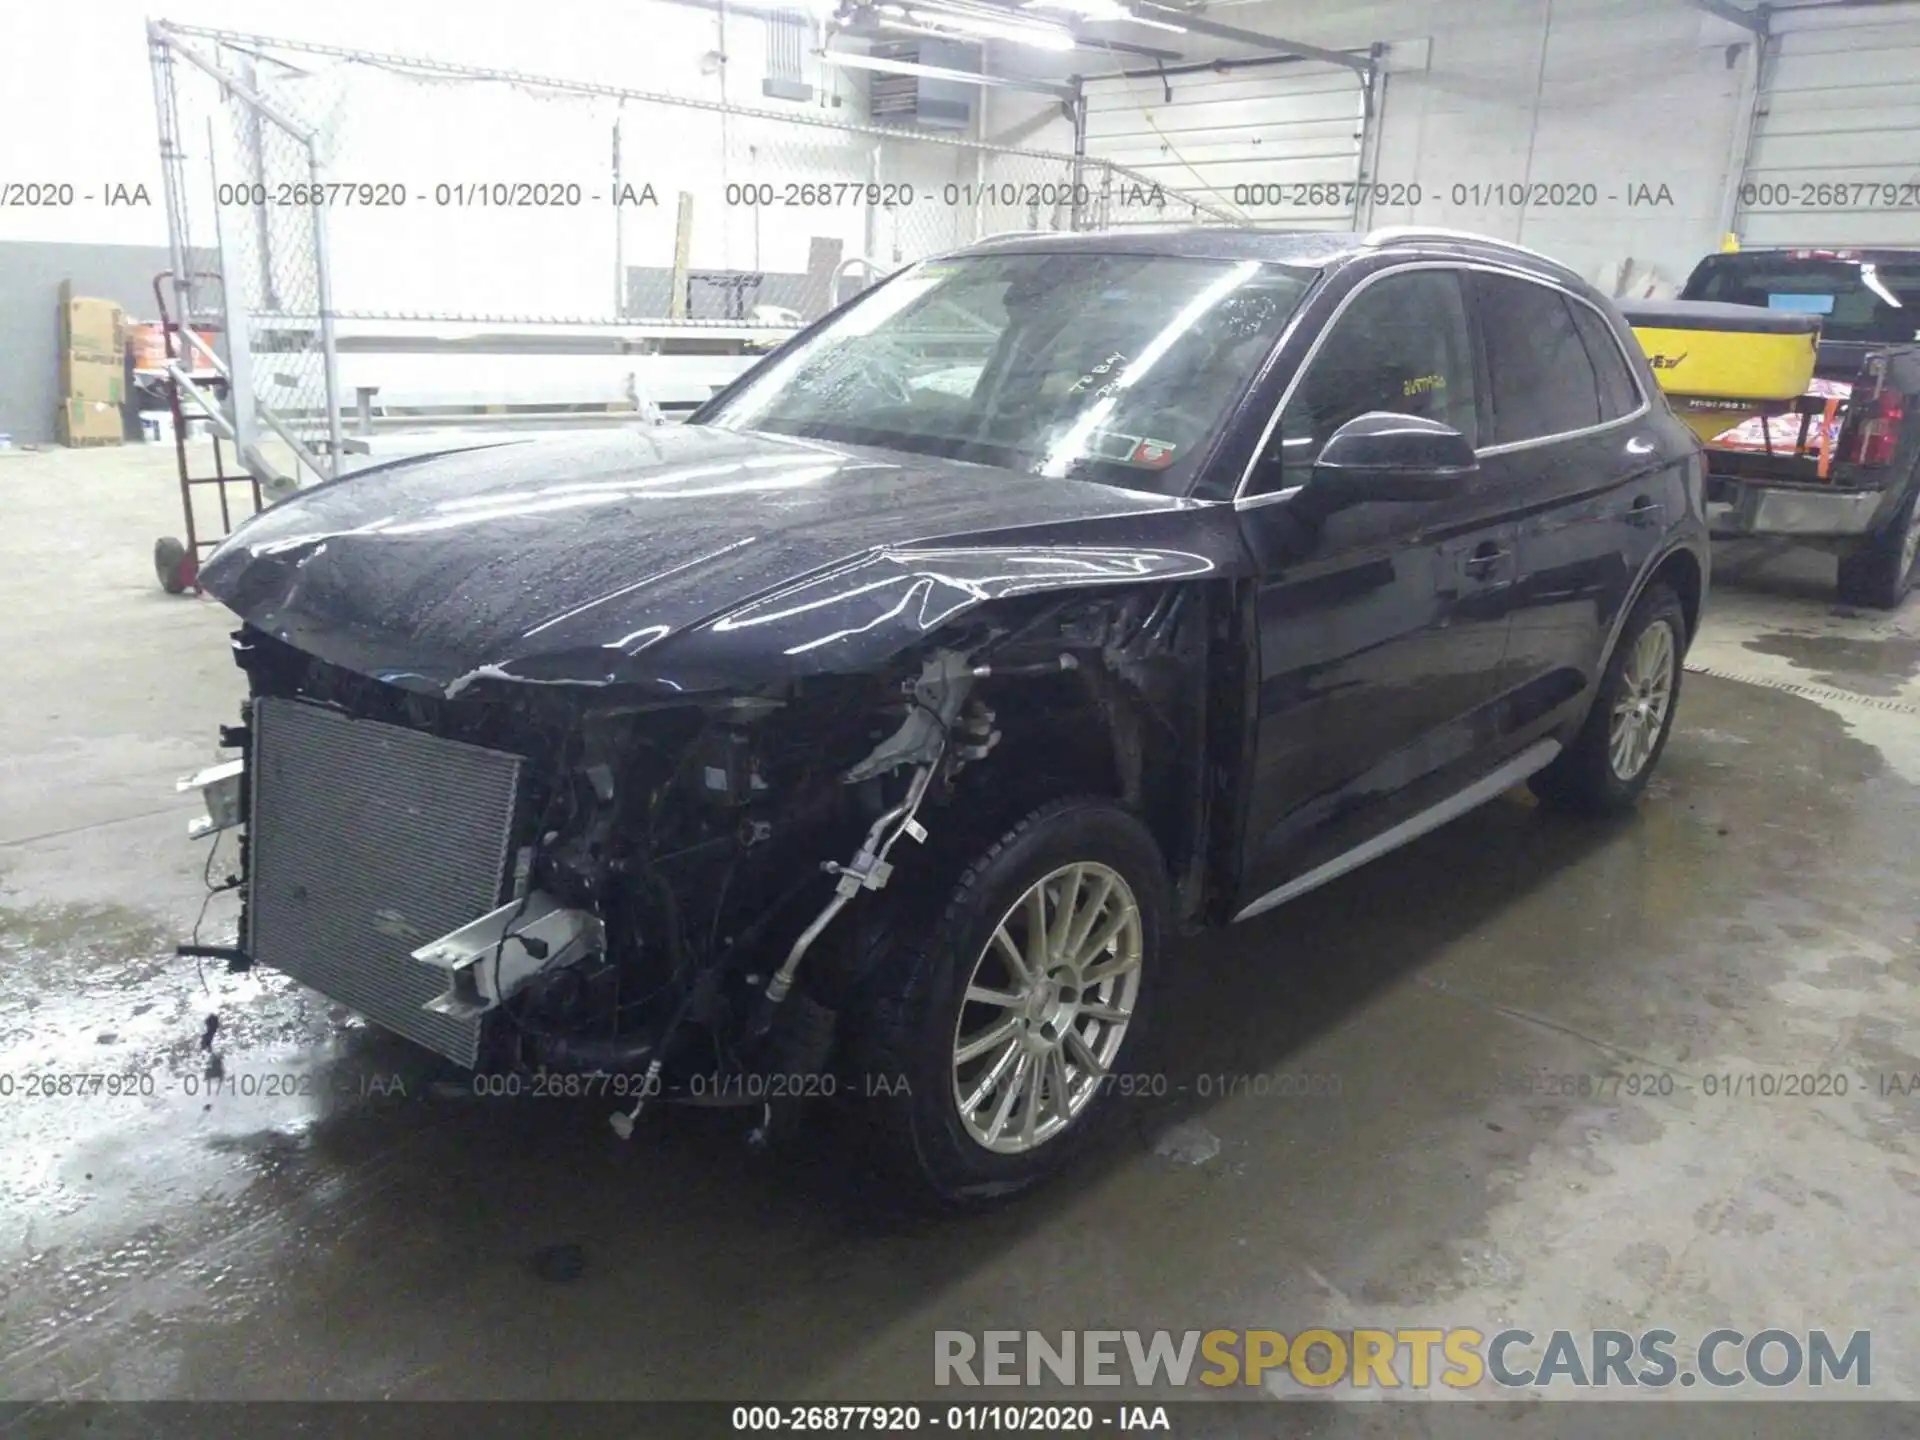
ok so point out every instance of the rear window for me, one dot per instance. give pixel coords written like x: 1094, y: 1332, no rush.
x: 1856, y: 299
x: 1543, y: 381
x: 1619, y: 396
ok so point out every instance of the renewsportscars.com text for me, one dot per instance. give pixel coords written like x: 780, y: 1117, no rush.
x: 1404, y: 1359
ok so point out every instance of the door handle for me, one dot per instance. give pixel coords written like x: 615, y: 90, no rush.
x: 1644, y: 511
x: 1486, y: 560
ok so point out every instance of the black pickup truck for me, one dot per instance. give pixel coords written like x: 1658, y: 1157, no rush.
x: 1840, y: 468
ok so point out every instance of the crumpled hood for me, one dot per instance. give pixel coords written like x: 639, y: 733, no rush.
x: 681, y: 557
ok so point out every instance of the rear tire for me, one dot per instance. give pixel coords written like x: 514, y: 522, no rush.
x: 1883, y: 569
x: 1610, y: 761
x: 987, y: 1045
x: 173, y: 566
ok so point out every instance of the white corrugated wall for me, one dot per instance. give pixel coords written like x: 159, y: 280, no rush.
x: 1279, y: 144
x: 1600, y: 131
x: 1835, y: 158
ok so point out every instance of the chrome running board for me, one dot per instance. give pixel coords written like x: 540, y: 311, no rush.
x: 1534, y: 758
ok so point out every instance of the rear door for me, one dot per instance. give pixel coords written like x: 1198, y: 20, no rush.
x: 1382, y: 626
x: 1578, y: 458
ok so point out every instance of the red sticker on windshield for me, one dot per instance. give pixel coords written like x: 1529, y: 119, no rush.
x: 1154, y: 454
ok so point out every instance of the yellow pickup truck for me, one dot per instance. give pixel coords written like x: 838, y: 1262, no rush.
x: 1800, y: 372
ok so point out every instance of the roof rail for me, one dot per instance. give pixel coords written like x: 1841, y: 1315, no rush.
x: 1387, y: 233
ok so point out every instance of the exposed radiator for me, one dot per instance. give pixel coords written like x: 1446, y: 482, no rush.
x: 364, y: 842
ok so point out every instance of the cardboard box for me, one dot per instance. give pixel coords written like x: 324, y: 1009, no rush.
x: 82, y: 380
x: 91, y: 329
x: 93, y: 348
x: 84, y: 421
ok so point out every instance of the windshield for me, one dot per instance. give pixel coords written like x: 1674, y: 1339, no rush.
x: 1855, y: 299
x: 1116, y: 368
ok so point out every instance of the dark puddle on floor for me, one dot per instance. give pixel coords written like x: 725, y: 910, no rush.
x: 1864, y: 666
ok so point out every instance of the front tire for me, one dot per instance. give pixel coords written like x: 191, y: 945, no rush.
x: 1879, y: 574
x: 1610, y: 761
x: 1008, y: 1018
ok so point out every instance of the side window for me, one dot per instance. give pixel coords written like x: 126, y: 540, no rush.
x: 1543, y: 382
x: 1401, y: 345
x: 1619, y: 395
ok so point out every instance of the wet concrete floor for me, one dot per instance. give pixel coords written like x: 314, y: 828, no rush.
x: 337, y: 1216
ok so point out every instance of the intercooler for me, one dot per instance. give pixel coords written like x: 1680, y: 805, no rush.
x: 365, y: 841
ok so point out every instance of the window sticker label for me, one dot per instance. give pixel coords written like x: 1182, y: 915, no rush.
x: 1422, y: 385
x: 1152, y: 454
x: 1139, y: 450
x: 1112, y: 445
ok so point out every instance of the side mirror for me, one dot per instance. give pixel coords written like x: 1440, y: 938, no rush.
x: 1383, y: 456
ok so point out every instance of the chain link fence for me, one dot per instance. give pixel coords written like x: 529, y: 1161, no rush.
x: 245, y: 181
x: 273, y: 238
x: 351, y: 192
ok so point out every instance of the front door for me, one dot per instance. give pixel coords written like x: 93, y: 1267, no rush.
x: 1382, y: 626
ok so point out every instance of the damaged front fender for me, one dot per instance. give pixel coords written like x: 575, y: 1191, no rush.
x: 856, y: 616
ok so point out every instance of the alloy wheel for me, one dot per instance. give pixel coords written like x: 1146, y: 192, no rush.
x: 1047, y: 1007
x: 1646, y: 694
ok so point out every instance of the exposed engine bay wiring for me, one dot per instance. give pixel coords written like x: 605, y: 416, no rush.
x: 232, y: 882
x: 935, y: 700
x: 679, y: 873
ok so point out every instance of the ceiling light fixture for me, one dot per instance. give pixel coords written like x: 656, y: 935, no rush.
x: 1038, y: 33
x: 1102, y: 12
x: 1085, y: 9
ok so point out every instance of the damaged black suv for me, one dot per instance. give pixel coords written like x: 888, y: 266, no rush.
x: 893, y: 715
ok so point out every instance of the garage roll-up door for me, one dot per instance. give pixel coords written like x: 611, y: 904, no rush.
x: 1276, y: 144
x: 1835, y: 155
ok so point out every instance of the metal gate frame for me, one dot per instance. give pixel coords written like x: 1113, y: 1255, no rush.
x: 1373, y: 106
x: 243, y: 417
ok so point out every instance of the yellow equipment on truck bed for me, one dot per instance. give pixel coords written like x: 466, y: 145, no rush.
x: 1800, y: 372
x: 1720, y: 364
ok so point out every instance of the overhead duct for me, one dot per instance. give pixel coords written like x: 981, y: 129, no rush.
x: 922, y: 98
